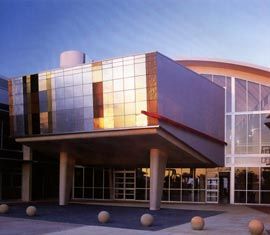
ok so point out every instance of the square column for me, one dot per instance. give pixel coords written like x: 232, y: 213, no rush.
x: 26, y: 193
x: 65, y: 177
x: 158, y: 161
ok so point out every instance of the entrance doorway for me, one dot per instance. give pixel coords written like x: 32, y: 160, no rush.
x: 124, y: 185
x: 224, y: 187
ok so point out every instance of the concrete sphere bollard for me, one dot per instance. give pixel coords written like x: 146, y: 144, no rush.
x: 147, y: 220
x: 4, y: 208
x: 31, y: 211
x: 197, y: 223
x: 103, y: 217
x: 256, y: 227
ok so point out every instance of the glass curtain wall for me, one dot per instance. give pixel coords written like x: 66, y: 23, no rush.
x: 104, y: 94
x: 180, y: 185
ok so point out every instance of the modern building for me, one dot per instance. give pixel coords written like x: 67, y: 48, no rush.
x: 112, y: 119
x: 247, y: 100
x: 10, y: 152
x: 113, y: 129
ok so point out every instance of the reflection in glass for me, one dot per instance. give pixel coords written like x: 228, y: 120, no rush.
x: 241, y: 133
x: 240, y: 178
x: 253, y: 133
x: 240, y: 95
x: 253, y: 96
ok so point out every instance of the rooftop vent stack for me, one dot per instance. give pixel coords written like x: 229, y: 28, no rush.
x: 71, y: 58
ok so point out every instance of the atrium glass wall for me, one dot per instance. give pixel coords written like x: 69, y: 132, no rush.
x: 247, y: 136
x: 105, y: 94
x: 180, y: 184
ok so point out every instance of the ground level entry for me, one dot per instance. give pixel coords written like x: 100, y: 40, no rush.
x: 179, y: 184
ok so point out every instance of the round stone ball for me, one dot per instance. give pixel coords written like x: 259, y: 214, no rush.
x: 147, y: 220
x: 256, y: 227
x: 31, y: 210
x: 103, y: 217
x: 197, y: 223
x: 4, y: 208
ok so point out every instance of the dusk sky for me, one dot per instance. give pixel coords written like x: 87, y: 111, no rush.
x: 35, y: 32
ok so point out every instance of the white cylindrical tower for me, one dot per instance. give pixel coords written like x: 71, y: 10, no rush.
x: 71, y: 58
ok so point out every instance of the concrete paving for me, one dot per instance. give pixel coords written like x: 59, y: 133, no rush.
x: 234, y: 220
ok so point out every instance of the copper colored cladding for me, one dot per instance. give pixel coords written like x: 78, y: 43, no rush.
x: 151, y: 86
x: 184, y: 127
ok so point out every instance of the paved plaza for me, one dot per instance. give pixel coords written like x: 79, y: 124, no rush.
x: 78, y: 219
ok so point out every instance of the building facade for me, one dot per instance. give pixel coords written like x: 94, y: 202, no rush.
x: 10, y: 152
x: 247, y: 107
x: 120, y: 123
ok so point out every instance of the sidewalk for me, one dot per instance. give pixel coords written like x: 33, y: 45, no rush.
x: 234, y: 220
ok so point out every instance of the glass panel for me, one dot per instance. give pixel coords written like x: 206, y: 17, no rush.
x: 265, y: 97
x: 88, y: 177
x: 240, y: 178
x: 253, y: 197
x: 265, y: 135
x: 107, y: 74
x: 98, y: 177
x: 78, y: 90
x: 219, y: 80
x: 119, y: 121
x: 265, y: 178
x: 187, y: 178
x: 228, y: 134
x: 140, y: 82
x: 265, y: 197
x: 129, y: 83
x: 118, y: 97
x: 129, y: 108
x: 129, y: 96
x: 97, y: 75
x: 140, y: 94
x: 117, y: 72
x: 240, y: 133
x: 108, y: 86
x: 118, y: 85
x: 175, y: 178
x: 108, y: 98
x: 240, y: 95
x: 140, y: 69
x: 199, y: 182
x: 253, y: 133
x: 253, y: 96
x: 240, y: 196
x: 129, y: 71
x: 187, y: 195
x: 78, y: 177
x: 130, y: 120
x: 228, y: 95
x: 253, y: 178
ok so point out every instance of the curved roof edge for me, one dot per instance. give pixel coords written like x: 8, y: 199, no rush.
x: 230, y: 64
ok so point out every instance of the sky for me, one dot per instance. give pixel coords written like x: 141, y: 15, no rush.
x: 33, y: 33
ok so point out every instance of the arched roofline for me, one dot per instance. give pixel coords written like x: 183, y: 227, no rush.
x: 226, y: 64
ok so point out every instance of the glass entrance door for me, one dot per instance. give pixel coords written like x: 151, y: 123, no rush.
x: 124, y: 185
x: 224, y: 187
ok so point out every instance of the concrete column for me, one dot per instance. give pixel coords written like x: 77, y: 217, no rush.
x: 67, y: 163
x: 158, y: 163
x: 232, y: 182
x: 27, y: 174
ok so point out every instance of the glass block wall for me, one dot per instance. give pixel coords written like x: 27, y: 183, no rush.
x: 100, y: 95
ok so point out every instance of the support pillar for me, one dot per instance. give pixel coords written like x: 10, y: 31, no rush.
x: 158, y: 161
x: 26, y: 193
x: 67, y: 163
x: 232, y: 182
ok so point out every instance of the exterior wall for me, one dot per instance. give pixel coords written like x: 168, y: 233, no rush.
x: 100, y: 95
x: 188, y: 98
x: 247, y: 106
x: 10, y: 152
